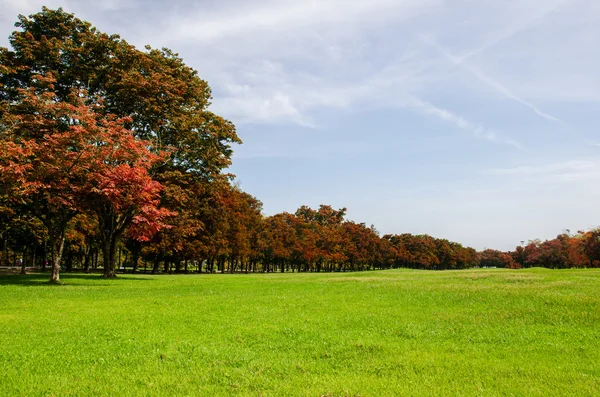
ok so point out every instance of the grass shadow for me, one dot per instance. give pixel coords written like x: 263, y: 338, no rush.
x: 43, y: 279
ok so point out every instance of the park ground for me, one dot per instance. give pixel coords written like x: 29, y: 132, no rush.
x: 533, y: 332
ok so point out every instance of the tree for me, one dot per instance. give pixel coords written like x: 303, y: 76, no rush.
x: 122, y: 193
x: 59, y: 158
x: 495, y: 258
x: 151, y: 96
x: 591, y: 246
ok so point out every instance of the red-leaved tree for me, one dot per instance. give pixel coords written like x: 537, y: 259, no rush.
x: 59, y: 158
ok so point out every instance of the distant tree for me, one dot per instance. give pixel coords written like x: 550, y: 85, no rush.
x: 591, y: 246
x: 495, y: 258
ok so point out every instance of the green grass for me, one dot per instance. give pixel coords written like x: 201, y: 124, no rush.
x: 475, y: 332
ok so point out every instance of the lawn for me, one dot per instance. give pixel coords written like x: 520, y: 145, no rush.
x: 400, y: 332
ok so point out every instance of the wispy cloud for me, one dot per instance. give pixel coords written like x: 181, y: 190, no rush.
x: 286, y: 16
x: 566, y: 171
x: 565, y: 166
x: 514, y: 29
x: 477, y: 130
x: 484, y: 78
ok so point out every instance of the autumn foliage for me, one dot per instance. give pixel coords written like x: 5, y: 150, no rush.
x: 110, y: 158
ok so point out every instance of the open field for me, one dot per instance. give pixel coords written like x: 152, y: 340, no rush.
x: 400, y: 332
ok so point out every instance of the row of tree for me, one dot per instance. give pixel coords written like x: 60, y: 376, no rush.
x: 581, y: 250
x: 224, y: 230
x: 109, y: 157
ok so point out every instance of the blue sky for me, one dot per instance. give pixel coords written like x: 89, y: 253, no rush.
x: 475, y: 121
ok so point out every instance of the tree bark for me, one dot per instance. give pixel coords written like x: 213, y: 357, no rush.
x: 45, y: 259
x: 57, y: 244
x: 23, y: 263
x: 155, y: 265
x: 109, y: 253
x: 33, y: 255
x: 136, y: 258
x: 86, y: 261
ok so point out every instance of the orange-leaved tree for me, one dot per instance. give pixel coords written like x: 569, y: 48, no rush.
x: 59, y: 158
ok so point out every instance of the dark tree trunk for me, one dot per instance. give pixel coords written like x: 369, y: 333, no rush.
x: 111, y: 226
x: 119, y: 261
x: 109, y: 253
x: 135, y: 255
x: 155, y: 265
x: 70, y: 261
x: 33, y: 255
x: 86, y: 261
x: 4, y: 253
x: 23, y: 263
x: 45, y: 258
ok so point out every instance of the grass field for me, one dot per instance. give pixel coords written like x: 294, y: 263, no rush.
x: 475, y: 332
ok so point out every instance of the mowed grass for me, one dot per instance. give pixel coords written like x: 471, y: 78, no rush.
x: 401, y: 332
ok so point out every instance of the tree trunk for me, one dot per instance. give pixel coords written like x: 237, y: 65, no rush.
x: 56, y: 244
x: 109, y: 253
x: 155, y: 265
x: 4, y: 253
x: 86, y: 261
x: 136, y: 258
x: 33, y: 255
x: 45, y: 259
x: 23, y: 263
x: 70, y: 261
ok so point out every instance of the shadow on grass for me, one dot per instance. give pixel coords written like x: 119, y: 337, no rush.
x: 43, y: 279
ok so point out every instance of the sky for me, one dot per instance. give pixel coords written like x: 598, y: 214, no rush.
x: 471, y: 120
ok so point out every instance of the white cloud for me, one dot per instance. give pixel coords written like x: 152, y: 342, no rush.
x: 250, y: 108
x: 477, y: 130
x: 286, y: 16
x: 566, y: 171
x: 569, y: 166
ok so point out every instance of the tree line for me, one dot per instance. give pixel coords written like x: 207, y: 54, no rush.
x: 110, y: 158
x: 579, y: 250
